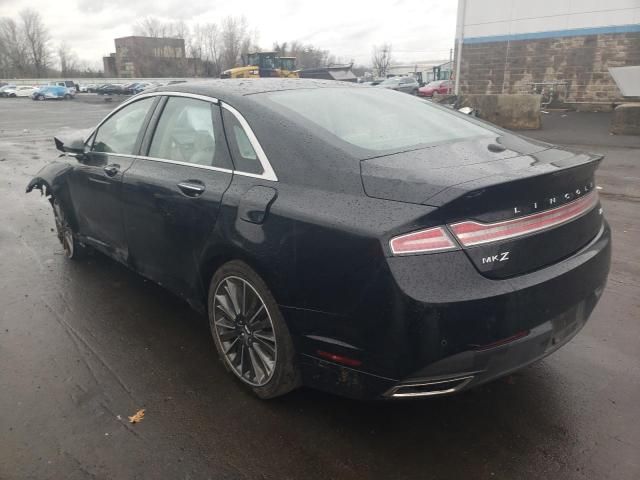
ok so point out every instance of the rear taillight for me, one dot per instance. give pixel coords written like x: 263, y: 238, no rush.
x: 471, y: 233
x: 423, y: 241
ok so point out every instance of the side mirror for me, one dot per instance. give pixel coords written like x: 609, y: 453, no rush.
x: 75, y: 147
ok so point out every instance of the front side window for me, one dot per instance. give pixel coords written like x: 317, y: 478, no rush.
x: 119, y: 133
x: 185, y: 132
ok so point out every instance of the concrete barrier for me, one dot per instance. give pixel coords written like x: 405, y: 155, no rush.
x: 515, y: 112
x: 626, y: 119
x: 443, y: 98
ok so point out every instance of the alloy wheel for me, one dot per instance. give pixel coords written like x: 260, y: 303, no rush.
x: 243, y: 326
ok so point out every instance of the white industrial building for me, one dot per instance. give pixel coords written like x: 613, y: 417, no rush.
x: 561, y: 46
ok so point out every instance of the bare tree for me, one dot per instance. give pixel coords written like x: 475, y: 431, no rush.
x: 179, y: 29
x: 281, y: 48
x: 307, y: 56
x: 150, y: 27
x: 195, y: 47
x: 381, y: 59
x: 249, y: 43
x: 212, y: 48
x: 68, y: 59
x: 37, y: 40
x: 154, y: 27
x: 233, y: 39
x: 14, y: 55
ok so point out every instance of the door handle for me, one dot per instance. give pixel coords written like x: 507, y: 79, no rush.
x: 112, y: 169
x: 191, y: 188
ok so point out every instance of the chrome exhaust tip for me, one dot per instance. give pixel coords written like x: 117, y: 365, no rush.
x: 426, y: 389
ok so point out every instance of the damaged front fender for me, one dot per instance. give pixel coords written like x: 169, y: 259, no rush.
x: 50, y: 179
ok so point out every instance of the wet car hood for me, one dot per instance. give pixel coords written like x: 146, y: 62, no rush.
x: 438, y: 174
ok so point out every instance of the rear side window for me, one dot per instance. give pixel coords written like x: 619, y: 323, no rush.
x: 376, y: 119
x: 244, y: 156
x: 119, y: 133
x: 185, y: 132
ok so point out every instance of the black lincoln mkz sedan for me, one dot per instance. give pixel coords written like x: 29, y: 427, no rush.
x: 349, y: 238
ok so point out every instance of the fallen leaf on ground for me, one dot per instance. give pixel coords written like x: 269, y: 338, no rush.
x: 137, y: 417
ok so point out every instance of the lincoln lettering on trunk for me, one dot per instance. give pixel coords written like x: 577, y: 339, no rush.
x: 551, y: 202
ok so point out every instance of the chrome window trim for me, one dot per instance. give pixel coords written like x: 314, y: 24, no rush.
x: 195, y: 165
x: 116, y: 154
x: 186, y: 164
x: 268, y: 173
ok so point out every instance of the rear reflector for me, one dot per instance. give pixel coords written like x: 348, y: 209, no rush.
x: 502, y: 341
x: 475, y: 233
x: 431, y: 240
x: 350, y: 362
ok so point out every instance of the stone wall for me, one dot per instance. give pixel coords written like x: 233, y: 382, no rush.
x: 626, y: 119
x: 515, y: 112
x: 580, y: 61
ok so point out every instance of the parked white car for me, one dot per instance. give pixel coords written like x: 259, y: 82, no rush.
x: 20, y: 91
x: 6, y: 88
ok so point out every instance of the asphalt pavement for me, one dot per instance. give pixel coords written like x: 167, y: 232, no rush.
x: 84, y: 345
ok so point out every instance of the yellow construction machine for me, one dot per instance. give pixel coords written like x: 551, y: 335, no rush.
x: 264, y: 64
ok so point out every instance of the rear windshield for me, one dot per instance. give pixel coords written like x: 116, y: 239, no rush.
x: 377, y: 119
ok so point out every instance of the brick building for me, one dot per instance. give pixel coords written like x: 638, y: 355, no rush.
x: 563, y: 46
x: 137, y: 57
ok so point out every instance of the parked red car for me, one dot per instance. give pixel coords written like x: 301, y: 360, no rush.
x: 437, y: 86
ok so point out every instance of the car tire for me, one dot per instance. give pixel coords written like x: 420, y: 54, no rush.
x: 67, y: 97
x: 40, y: 97
x: 73, y: 249
x: 249, y: 331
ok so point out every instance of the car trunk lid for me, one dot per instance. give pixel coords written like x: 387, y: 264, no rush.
x: 490, y: 182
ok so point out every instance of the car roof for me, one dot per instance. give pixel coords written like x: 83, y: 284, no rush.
x: 242, y: 87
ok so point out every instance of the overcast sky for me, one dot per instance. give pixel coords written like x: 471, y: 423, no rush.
x: 417, y: 29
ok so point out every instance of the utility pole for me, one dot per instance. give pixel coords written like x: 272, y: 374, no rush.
x: 384, y: 57
x: 462, y: 4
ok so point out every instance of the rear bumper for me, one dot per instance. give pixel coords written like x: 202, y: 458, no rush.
x: 476, y: 333
x: 472, y: 368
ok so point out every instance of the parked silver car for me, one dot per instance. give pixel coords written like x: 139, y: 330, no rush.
x: 18, y: 91
x: 401, y: 84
